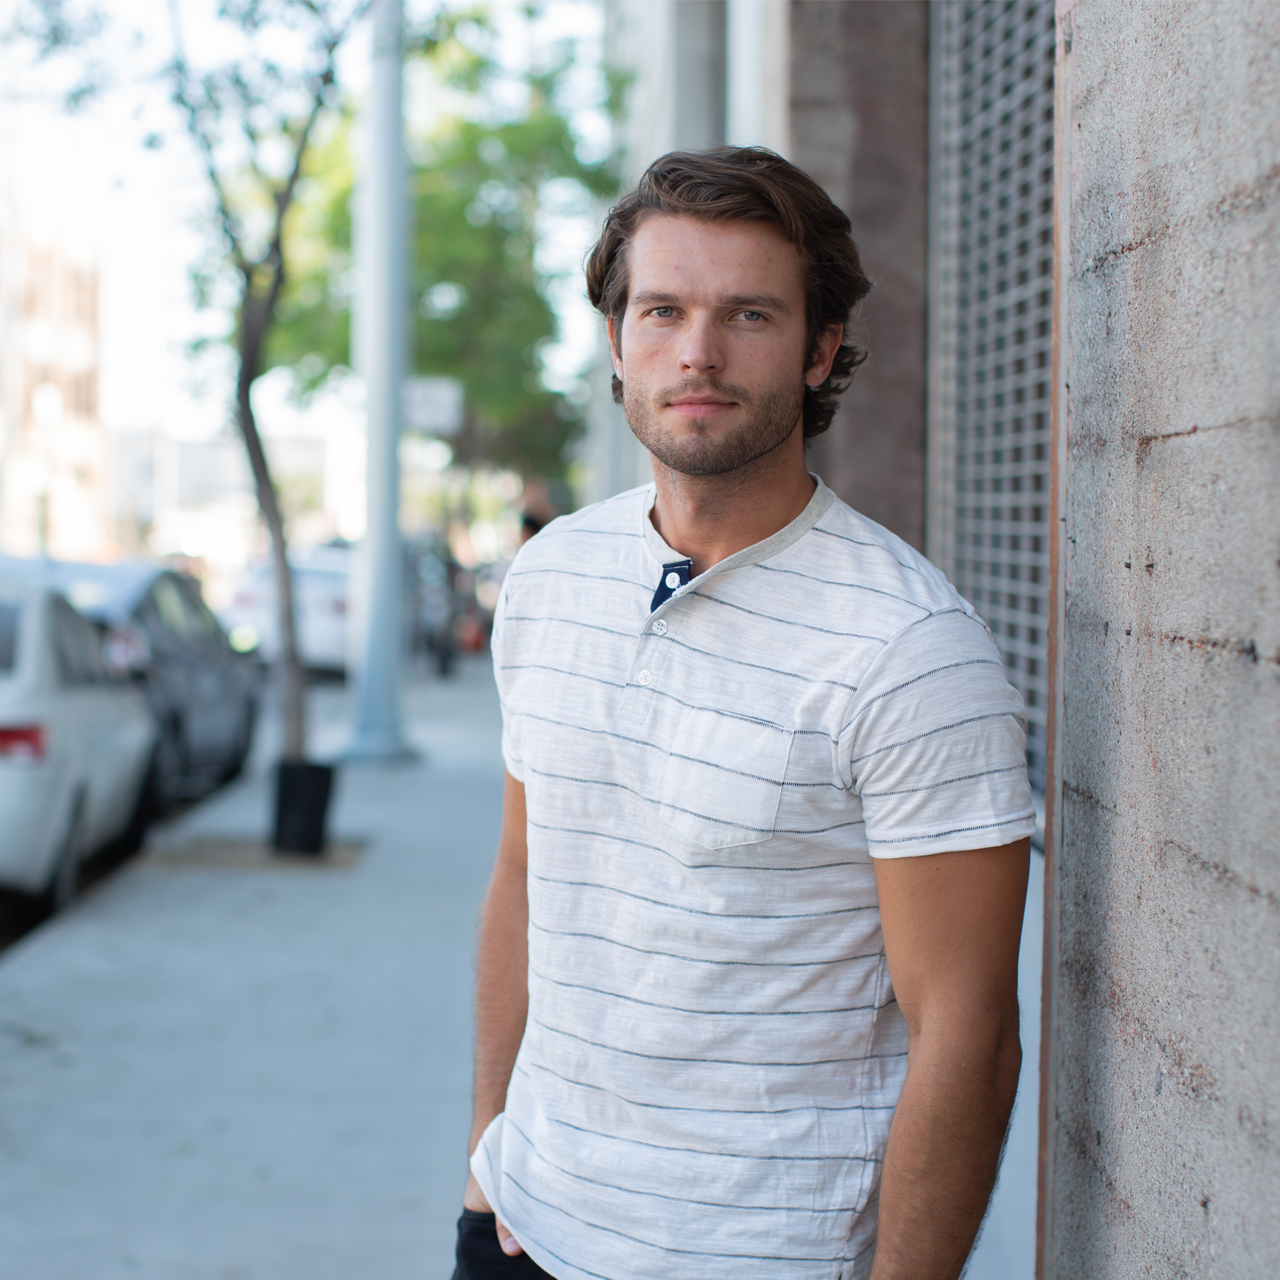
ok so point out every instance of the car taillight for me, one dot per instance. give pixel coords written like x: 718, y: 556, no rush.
x: 25, y: 741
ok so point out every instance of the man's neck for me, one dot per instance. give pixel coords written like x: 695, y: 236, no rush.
x: 709, y: 518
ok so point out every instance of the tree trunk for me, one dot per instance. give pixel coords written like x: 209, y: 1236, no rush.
x: 253, y: 323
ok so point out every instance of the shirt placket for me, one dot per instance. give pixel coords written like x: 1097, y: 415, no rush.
x: 650, y: 658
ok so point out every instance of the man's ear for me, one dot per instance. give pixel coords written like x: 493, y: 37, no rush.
x: 614, y: 328
x: 828, y: 344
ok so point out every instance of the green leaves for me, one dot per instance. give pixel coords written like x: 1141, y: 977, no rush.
x: 476, y: 200
x: 312, y: 329
x: 481, y: 314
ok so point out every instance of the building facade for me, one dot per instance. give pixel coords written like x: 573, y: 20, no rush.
x: 56, y: 458
x: 990, y: 326
x: 55, y: 494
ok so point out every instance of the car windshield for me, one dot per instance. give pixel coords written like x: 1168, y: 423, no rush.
x: 79, y: 646
x: 8, y: 637
x: 181, y: 612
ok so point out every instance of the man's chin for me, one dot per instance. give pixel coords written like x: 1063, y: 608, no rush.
x: 716, y: 445
x: 701, y: 454
x: 703, y: 462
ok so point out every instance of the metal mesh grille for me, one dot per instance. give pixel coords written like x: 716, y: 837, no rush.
x: 993, y: 149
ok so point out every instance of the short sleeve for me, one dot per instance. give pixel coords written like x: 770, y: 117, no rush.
x: 935, y: 743
x: 499, y: 644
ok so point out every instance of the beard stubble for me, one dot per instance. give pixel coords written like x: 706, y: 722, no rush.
x: 769, y: 419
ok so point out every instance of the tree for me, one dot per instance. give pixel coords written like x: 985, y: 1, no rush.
x: 253, y: 121
x: 483, y: 315
x: 477, y: 186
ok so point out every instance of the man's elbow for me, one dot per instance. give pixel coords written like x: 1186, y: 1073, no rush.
x: 983, y: 1042
x: 1007, y: 1062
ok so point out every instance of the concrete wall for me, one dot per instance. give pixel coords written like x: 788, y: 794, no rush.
x: 1163, y: 1080
x: 859, y: 124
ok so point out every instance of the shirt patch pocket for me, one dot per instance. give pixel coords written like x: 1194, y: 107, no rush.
x: 723, y: 779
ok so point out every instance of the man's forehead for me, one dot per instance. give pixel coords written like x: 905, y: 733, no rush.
x: 669, y: 251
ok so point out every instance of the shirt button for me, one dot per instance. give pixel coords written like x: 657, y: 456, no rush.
x: 673, y: 580
x: 660, y: 628
x: 645, y: 678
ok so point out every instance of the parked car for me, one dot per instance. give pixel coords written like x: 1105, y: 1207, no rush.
x: 158, y: 630
x: 76, y: 745
x: 321, y: 584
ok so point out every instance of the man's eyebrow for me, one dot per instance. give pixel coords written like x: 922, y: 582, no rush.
x: 761, y: 301
x: 649, y: 297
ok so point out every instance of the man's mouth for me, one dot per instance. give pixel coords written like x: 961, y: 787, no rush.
x: 701, y: 406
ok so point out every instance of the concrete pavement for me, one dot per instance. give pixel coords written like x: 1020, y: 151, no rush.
x: 221, y: 1067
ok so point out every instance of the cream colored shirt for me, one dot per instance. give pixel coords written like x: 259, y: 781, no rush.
x: 713, y: 1051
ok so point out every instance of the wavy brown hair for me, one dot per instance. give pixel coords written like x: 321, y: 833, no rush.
x: 746, y: 184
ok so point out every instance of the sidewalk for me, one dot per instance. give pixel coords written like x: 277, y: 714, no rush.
x: 219, y: 1067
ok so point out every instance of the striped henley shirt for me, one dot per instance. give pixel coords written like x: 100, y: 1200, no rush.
x: 713, y: 1051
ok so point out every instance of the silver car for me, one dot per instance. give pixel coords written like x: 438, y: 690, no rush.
x: 75, y: 744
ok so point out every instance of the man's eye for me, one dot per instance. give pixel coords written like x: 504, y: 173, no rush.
x: 663, y: 313
x: 751, y: 315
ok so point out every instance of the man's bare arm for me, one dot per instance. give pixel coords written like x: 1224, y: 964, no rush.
x: 502, y: 990
x: 952, y: 924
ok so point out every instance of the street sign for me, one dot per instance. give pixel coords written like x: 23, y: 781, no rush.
x: 433, y: 406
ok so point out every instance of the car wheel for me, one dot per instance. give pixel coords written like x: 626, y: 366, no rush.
x: 145, y: 809
x: 65, y: 878
x: 244, y: 744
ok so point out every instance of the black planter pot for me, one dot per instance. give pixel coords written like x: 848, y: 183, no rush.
x: 302, y: 804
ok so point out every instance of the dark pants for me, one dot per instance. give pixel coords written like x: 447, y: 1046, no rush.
x: 480, y: 1256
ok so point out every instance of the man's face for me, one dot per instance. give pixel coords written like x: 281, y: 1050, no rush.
x: 712, y: 344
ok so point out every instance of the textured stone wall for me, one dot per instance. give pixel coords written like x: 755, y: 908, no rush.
x: 1164, y: 1077
x: 859, y: 124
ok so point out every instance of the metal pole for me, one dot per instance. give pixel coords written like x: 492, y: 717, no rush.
x: 382, y: 346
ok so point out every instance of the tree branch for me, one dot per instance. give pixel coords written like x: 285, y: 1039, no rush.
x: 231, y: 92
x: 183, y: 99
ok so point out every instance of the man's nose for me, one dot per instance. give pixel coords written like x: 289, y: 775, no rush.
x: 701, y: 351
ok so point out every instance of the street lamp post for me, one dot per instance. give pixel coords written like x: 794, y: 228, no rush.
x: 381, y: 349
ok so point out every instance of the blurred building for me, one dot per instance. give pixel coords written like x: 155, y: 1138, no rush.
x: 59, y: 470
x: 55, y: 487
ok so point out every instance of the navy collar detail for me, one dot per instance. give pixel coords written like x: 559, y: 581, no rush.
x: 674, y: 576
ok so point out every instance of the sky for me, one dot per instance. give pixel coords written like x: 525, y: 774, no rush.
x: 119, y: 182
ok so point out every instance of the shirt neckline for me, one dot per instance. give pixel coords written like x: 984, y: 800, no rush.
x: 787, y: 536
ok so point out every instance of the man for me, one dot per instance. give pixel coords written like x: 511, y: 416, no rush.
x: 747, y: 975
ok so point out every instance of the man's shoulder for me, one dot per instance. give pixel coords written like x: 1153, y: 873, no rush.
x: 855, y: 550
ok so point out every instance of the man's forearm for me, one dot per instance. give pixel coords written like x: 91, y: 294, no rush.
x: 502, y: 993
x: 943, y: 1153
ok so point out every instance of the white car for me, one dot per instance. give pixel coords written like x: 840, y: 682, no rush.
x: 321, y: 583
x: 76, y: 746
